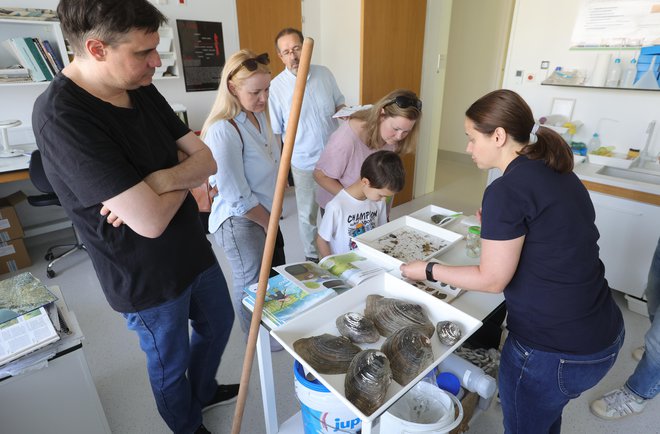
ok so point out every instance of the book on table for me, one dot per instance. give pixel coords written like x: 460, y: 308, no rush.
x: 25, y: 334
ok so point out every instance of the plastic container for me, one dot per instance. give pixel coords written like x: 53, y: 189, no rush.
x: 425, y: 408
x: 614, y: 74
x: 322, y: 412
x: 473, y: 242
x: 594, y: 143
x: 648, y: 80
x: 628, y: 76
x: 472, y: 377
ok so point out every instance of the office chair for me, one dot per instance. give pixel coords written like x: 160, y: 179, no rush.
x: 39, y: 179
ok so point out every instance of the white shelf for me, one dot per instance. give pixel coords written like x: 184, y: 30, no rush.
x: 44, y: 30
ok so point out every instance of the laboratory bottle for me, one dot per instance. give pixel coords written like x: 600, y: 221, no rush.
x: 628, y: 76
x: 614, y: 74
x: 472, y: 377
x: 473, y: 242
x: 594, y: 143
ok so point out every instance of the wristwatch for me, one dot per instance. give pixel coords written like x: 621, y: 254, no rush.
x: 429, y: 271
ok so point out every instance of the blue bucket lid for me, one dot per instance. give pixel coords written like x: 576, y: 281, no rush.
x: 299, y: 374
x: 449, y: 382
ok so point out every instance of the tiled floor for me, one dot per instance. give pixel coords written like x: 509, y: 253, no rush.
x: 117, y: 363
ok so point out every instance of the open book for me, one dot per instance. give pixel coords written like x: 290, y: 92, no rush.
x: 24, y: 334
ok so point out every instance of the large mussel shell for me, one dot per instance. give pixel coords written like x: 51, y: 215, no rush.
x: 409, y: 351
x: 392, y: 314
x: 357, y: 328
x: 326, y: 353
x: 448, y: 332
x: 368, y: 377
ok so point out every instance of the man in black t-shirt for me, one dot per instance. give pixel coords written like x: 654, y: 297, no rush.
x: 121, y: 163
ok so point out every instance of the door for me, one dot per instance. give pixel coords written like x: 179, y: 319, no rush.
x: 259, y: 21
x: 392, y: 44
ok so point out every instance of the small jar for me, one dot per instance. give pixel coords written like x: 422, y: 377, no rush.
x: 473, y: 242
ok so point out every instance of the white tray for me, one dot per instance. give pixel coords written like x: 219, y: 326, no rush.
x: 425, y: 214
x: 321, y: 319
x: 616, y: 160
x: 368, y: 240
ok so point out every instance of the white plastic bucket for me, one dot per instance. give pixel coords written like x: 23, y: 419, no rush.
x: 322, y: 412
x: 423, y: 409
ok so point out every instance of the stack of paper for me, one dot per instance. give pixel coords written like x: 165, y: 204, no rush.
x: 25, y: 326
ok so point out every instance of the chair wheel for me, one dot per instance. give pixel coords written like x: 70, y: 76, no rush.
x: 50, y: 274
x: 49, y: 256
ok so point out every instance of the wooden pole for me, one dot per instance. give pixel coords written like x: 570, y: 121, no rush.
x: 273, y: 223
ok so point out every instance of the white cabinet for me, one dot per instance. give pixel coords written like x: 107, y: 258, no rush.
x: 629, y: 232
x: 45, y: 30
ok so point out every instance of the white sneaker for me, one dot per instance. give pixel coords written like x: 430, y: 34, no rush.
x: 617, y: 404
x: 638, y: 353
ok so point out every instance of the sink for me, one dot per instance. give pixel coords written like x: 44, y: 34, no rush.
x: 649, y: 166
x: 642, y: 174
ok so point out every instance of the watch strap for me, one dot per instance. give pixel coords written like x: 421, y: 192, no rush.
x: 429, y: 271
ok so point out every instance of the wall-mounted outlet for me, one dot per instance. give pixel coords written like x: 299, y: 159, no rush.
x: 518, y: 77
x: 545, y: 64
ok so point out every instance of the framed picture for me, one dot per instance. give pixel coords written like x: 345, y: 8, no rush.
x: 202, y: 54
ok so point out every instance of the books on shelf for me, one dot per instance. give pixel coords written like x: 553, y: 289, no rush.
x: 24, y: 334
x: 36, y: 56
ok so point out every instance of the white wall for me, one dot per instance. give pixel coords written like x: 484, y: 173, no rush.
x: 542, y: 30
x: 335, y: 28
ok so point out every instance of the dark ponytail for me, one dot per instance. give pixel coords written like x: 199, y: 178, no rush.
x: 506, y: 109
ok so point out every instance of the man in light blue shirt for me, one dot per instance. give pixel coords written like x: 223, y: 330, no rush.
x: 322, y: 99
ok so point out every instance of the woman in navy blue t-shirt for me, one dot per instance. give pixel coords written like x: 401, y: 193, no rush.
x: 539, y: 248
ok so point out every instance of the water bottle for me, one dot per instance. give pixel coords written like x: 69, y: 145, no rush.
x: 614, y: 74
x: 628, y: 77
x: 594, y: 143
x: 472, y: 377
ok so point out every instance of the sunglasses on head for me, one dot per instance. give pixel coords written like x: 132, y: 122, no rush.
x: 405, y: 101
x: 251, y: 64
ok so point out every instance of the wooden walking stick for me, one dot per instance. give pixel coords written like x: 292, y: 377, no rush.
x: 273, y: 223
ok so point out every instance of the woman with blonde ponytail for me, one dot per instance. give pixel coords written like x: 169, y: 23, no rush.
x: 239, y: 134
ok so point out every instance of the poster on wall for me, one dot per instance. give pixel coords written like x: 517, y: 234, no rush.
x: 616, y: 23
x: 202, y: 54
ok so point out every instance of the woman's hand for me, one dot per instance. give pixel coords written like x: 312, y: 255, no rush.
x: 415, y: 270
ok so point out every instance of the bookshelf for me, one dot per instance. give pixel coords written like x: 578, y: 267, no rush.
x: 169, y: 68
x: 44, y: 30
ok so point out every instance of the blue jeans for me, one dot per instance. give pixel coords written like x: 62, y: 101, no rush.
x: 243, y: 242
x: 182, y: 367
x: 645, y: 381
x: 536, y: 385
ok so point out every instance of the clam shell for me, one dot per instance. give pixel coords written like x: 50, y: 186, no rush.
x: 409, y: 351
x: 326, y: 353
x: 392, y: 314
x: 448, y: 332
x: 357, y: 328
x: 368, y: 377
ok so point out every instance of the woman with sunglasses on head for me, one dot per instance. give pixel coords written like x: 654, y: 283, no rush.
x: 539, y: 248
x: 239, y: 134
x: 391, y: 124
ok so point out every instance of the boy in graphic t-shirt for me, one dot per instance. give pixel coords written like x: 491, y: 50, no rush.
x: 361, y: 206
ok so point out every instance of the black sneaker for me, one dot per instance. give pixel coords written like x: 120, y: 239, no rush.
x: 224, y: 394
x: 202, y: 430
